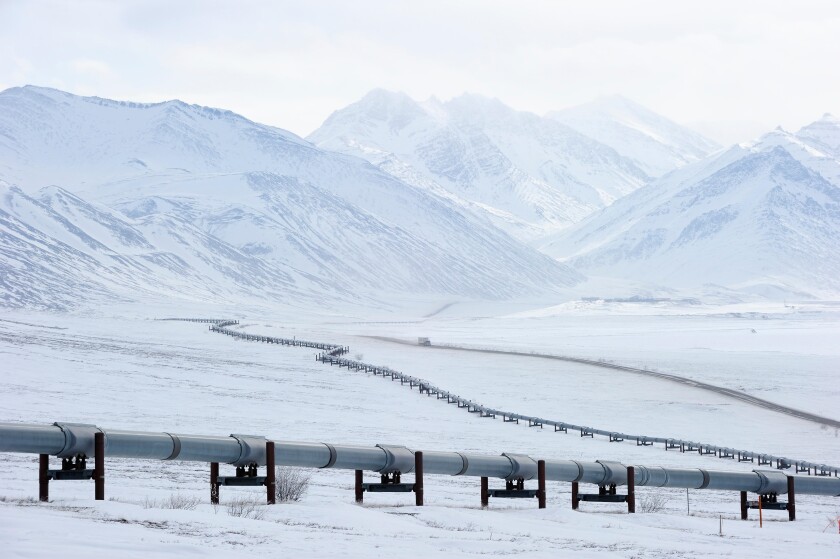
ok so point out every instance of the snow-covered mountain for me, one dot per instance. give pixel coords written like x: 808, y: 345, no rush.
x: 58, y: 250
x: 822, y: 135
x: 527, y: 174
x: 763, y: 217
x: 178, y: 199
x: 654, y: 143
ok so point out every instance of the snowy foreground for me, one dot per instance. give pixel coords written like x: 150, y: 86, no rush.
x: 124, y: 370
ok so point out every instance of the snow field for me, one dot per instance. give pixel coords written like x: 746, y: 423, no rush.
x: 182, y: 378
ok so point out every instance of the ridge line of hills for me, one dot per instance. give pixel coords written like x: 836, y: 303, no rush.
x: 467, y: 199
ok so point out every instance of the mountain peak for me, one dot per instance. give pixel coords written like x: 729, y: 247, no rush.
x: 763, y: 215
x: 823, y: 135
x: 773, y: 136
x: 655, y: 143
x: 377, y: 99
x: 610, y: 106
x: 620, y: 102
x: 382, y: 95
x: 35, y: 92
x: 381, y: 105
x: 41, y: 90
x: 473, y: 104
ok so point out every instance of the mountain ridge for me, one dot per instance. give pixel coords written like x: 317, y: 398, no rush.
x: 216, y: 191
x: 655, y: 143
x: 761, y: 217
x: 539, y: 173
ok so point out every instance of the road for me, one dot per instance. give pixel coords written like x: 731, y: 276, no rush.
x: 728, y: 392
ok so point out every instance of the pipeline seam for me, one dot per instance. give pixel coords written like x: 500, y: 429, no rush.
x: 242, y: 450
x: 466, y: 464
x: 580, y: 471
x: 333, y: 456
x: 176, y: 447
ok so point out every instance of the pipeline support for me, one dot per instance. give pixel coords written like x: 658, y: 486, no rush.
x: 360, y: 492
x: 541, y: 483
x: 43, y: 478
x: 270, y: 477
x: 418, y: 478
x: 214, y: 483
x: 99, y: 466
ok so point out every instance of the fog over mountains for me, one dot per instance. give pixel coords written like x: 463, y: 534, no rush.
x: 465, y: 199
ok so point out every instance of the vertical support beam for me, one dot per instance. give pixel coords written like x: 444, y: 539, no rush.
x: 418, y: 478
x: 99, y: 466
x: 270, y: 474
x: 214, y: 483
x: 743, y: 505
x: 574, y: 495
x: 43, y: 478
x: 791, y: 506
x: 541, y: 483
x: 485, y: 493
x: 631, y: 490
x: 760, y: 513
x: 360, y: 492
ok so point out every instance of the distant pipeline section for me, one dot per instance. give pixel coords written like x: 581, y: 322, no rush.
x: 332, y: 354
x: 328, y: 349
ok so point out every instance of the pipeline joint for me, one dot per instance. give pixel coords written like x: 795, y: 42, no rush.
x: 397, y: 459
x: 522, y: 466
x: 176, y: 447
x: 251, y: 450
x: 78, y: 439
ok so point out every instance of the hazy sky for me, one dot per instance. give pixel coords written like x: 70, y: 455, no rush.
x: 731, y: 69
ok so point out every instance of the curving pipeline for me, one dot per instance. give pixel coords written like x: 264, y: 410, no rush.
x: 332, y: 354
x: 72, y: 439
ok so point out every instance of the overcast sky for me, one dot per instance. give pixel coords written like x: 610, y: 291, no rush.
x: 730, y: 69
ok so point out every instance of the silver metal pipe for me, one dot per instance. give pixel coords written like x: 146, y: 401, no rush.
x: 195, y: 448
x: 482, y: 465
x: 53, y: 439
x: 359, y: 458
x: 592, y: 472
x: 134, y: 444
x: 739, y: 481
x: 311, y: 455
x: 39, y: 439
x: 444, y: 463
x: 563, y: 470
x: 807, y: 485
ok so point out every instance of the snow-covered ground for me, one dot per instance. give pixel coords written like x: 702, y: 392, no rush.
x: 122, y: 371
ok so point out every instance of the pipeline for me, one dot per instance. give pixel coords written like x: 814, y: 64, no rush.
x: 71, y: 439
x: 331, y: 354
